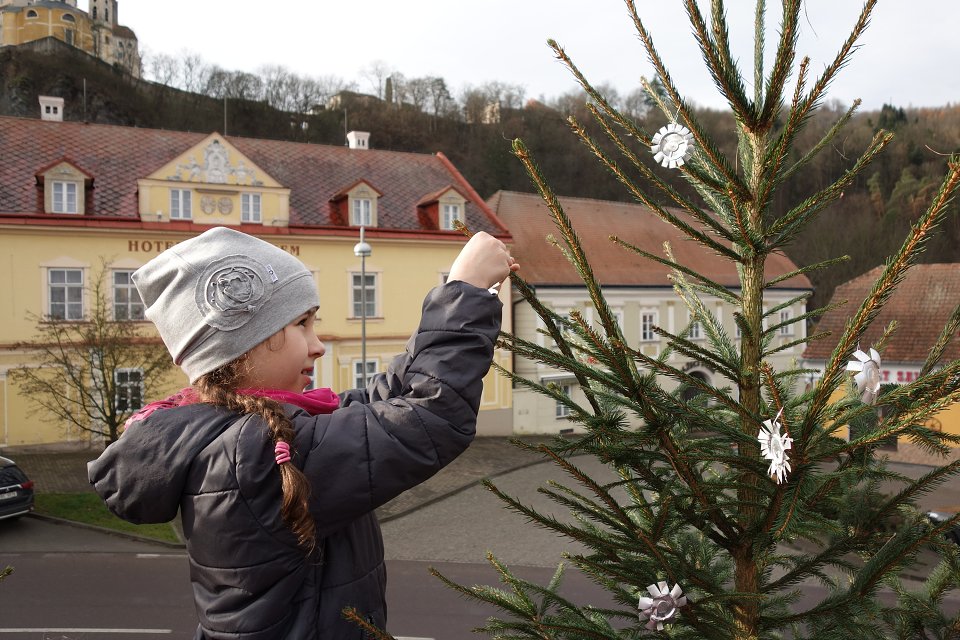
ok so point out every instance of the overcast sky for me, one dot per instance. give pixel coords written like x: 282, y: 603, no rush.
x: 909, y: 55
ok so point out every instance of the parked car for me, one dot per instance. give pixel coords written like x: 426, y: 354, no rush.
x: 16, y: 491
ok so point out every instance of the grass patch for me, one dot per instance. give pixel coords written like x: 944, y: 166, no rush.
x: 88, y: 508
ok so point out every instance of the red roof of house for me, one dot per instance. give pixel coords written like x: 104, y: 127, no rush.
x: 921, y: 306
x: 117, y: 157
x: 595, y: 221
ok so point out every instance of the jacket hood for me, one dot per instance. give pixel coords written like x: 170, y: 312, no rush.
x: 141, y: 476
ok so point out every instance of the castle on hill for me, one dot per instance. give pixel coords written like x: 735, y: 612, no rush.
x: 97, y: 32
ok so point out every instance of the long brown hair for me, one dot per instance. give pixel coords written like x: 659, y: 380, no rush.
x: 219, y: 388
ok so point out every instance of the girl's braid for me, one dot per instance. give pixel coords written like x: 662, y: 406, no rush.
x: 219, y: 389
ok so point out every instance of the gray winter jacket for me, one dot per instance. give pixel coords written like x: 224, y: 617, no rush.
x: 250, y: 579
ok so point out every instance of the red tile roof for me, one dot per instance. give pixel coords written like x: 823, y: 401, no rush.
x: 921, y: 306
x: 118, y: 156
x: 595, y: 221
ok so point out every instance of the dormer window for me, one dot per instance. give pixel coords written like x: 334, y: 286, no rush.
x: 442, y: 209
x: 356, y: 206
x: 32, y: 14
x: 68, y: 18
x: 362, y: 212
x: 64, y: 197
x: 449, y: 214
x: 64, y: 188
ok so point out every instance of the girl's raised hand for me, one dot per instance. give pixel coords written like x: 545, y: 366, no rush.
x: 483, y: 262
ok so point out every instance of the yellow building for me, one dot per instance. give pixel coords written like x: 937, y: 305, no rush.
x: 98, y: 32
x: 73, y: 195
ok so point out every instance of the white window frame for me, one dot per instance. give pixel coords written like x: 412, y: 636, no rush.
x: 450, y: 212
x: 77, y: 287
x: 696, y: 329
x: 61, y: 194
x: 133, y: 306
x: 123, y: 387
x: 356, y: 295
x: 361, y: 212
x: 357, y: 369
x: 181, y: 204
x: 562, y: 411
x: 647, y: 334
x: 785, y: 316
x: 251, y: 209
x: 618, y: 316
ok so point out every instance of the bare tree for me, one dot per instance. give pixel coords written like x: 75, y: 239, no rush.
x: 439, y: 96
x: 276, y: 86
x: 376, y: 73
x: 418, y: 92
x: 93, y: 374
x: 330, y: 85
x: 475, y: 102
x: 164, y: 68
x: 193, y: 72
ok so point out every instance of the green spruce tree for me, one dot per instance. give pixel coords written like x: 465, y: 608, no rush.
x: 695, y: 504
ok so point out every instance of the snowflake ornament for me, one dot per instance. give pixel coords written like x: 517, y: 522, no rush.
x: 774, y: 446
x: 868, y: 374
x: 661, y: 606
x: 672, y: 145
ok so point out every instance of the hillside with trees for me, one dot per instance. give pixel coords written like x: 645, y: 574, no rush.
x: 474, y: 126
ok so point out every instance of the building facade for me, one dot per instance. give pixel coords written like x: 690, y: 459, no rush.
x: 638, y: 290
x: 74, y: 195
x: 921, y: 307
x: 96, y: 32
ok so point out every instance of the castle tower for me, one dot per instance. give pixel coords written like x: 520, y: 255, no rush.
x: 104, y: 11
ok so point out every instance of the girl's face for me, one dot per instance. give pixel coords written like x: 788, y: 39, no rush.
x: 285, y: 359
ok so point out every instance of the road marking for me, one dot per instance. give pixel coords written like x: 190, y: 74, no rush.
x: 53, y: 630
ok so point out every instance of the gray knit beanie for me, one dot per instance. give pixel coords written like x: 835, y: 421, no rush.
x: 218, y: 295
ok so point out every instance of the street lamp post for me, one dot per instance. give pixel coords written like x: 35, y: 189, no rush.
x: 363, y: 251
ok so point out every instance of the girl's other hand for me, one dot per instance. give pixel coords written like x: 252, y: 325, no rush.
x: 483, y: 262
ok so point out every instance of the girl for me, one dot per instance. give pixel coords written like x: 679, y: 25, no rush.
x: 277, y: 488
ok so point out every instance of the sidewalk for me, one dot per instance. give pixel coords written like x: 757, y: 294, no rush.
x: 66, y: 472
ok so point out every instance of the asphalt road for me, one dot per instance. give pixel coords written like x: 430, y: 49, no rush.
x: 72, y: 584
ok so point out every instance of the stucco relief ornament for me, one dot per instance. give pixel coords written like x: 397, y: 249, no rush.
x: 672, y: 145
x: 867, y: 378
x: 774, y: 446
x: 661, y: 605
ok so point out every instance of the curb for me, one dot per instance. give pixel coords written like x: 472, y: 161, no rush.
x: 112, y: 532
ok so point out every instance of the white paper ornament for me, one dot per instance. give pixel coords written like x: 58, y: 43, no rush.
x: 868, y: 374
x: 774, y: 446
x: 672, y: 145
x: 661, y: 605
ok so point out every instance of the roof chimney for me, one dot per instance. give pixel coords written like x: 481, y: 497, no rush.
x: 51, y: 108
x: 358, y: 139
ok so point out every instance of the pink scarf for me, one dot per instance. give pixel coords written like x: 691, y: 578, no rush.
x: 314, y: 402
